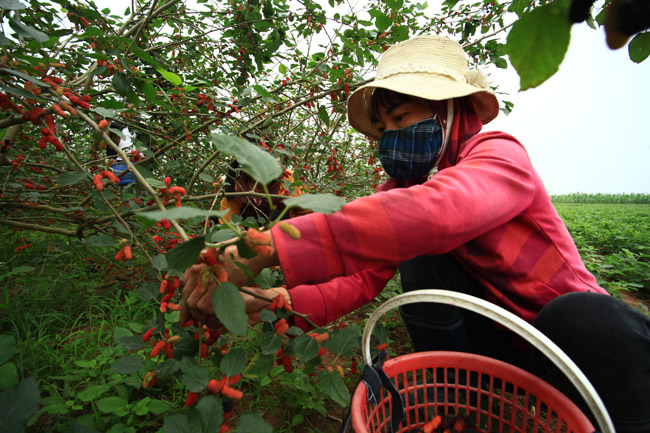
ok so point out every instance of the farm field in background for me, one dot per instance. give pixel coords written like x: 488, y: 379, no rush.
x: 65, y: 307
x: 611, y: 232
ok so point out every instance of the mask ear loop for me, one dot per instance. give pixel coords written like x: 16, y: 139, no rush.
x: 446, y: 128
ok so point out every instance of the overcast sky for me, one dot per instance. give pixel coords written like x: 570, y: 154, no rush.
x: 586, y: 128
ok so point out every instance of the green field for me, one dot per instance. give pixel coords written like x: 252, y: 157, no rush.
x: 614, y: 242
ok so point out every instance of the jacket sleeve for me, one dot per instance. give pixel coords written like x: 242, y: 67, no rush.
x: 326, y: 302
x: 491, y: 182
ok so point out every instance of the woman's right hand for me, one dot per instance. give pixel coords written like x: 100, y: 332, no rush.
x: 197, y: 304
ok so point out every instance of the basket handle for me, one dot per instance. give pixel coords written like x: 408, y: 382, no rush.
x: 509, y: 320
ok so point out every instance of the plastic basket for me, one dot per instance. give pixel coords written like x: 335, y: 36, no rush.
x: 496, y: 396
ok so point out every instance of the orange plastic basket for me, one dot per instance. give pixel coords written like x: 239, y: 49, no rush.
x: 496, y: 396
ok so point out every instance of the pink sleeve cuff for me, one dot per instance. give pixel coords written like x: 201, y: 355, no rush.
x: 311, y: 259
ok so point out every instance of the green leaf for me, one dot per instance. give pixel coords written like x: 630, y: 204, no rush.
x: 150, y: 290
x: 75, y: 427
x: 149, y: 92
x: 196, y: 379
x: 395, y: 5
x: 250, y: 423
x: 24, y: 76
x: 158, y: 407
x: 639, y: 47
x: 170, y: 76
x: 121, y: 84
x: 105, y: 112
x: 182, y: 212
x: 323, y: 203
x: 186, y: 347
x: 259, y: 366
x: 27, y: 32
x: 8, y: 375
x: 100, y: 241
x: 207, y: 415
x: 159, y: 262
x: 71, y: 177
x: 113, y: 404
x: 268, y: 316
x: 185, y: 255
x: 518, y: 7
x: 128, y: 364
x: 534, y: 50
x: 270, y: 342
x: 305, y: 347
x: 22, y: 269
x: 233, y: 362
x: 168, y: 367
x: 144, y: 56
x: 13, y: 5
x: 450, y: 3
x: 177, y: 424
x: 332, y: 385
x: 322, y: 114
x: 92, y: 392
x: 230, y: 309
x: 18, y: 404
x: 156, y: 183
x: 345, y: 341
x: 7, y: 348
x: 382, y: 21
x: 145, y: 172
x: 260, y: 165
x: 206, y: 177
x: 265, y: 279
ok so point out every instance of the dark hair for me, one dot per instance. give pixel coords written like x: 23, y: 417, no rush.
x: 385, y: 98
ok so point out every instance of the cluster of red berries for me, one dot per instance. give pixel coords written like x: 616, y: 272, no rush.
x: 99, y: 184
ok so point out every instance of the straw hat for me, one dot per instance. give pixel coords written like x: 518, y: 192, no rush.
x: 431, y: 67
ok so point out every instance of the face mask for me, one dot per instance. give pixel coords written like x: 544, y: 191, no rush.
x: 409, y: 153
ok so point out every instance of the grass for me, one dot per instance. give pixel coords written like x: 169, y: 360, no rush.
x: 62, y: 309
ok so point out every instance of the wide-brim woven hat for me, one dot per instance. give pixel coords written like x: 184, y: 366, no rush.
x: 430, y: 67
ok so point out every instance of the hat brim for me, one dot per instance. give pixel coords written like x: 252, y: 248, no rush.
x: 423, y: 85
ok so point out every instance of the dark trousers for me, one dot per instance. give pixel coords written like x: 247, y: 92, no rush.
x: 606, y: 338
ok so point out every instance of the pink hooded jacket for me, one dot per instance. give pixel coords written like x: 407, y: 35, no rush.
x: 486, y: 205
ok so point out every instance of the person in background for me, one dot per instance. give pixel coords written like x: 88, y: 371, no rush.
x: 238, y: 183
x: 127, y: 145
x: 463, y: 210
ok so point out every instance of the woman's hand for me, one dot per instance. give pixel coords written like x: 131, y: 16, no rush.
x: 197, y: 304
x: 255, y: 305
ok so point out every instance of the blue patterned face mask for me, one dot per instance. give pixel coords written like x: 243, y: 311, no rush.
x: 409, y: 153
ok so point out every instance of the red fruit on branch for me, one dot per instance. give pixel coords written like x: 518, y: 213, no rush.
x: 286, y: 363
x: 191, y: 398
x: 68, y: 108
x: 103, y: 124
x: 58, y: 110
x: 233, y: 393
x: 147, y: 335
x: 149, y: 379
x: 157, y: 348
x: 281, y: 327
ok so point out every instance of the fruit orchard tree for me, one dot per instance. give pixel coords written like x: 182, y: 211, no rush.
x: 199, y: 84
